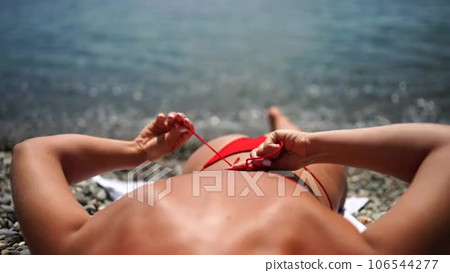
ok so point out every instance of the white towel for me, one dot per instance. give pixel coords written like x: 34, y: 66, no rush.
x: 117, y: 189
x: 352, y: 205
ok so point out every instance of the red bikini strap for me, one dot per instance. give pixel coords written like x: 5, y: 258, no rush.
x: 321, y: 185
x: 249, y: 165
x: 209, y: 146
x: 248, y: 162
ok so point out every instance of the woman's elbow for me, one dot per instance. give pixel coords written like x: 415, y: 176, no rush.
x: 23, y: 151
x: 20, y: 150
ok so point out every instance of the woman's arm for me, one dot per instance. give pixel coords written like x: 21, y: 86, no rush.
x: 398, y: 150
x: 418, y: 153
x: 42, y: 169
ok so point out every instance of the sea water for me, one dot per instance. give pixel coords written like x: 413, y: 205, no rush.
x: 105, y: 67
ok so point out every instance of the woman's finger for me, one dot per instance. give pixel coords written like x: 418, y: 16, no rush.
x: 266, y: 148
x: 171, y: 118
x: 241, y: 165
x: 253, y: 152
x: 262, y: 163
x: 188, y: 124
x: 160, y: 117
x: 180, y: 117
x: 158, y: 125
x: 160, y: 121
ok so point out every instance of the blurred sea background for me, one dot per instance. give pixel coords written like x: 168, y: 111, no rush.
x: 105, y: 67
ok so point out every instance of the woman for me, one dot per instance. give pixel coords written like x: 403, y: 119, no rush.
x: 212, y: 210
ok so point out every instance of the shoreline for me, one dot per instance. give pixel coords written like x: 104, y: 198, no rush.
x: 382, y: 190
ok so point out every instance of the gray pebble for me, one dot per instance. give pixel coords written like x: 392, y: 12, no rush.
x: 363, y: 192
x: 81, y: 198
x: 10, y: 252
x: 93, y: 189
x: 5, y: 200
x: 11, y: 217
x: 90, y: 209
x: 85, y: 190
x: 82, y: 184
x: 9, y: 224
x: 26, y: 251
x: 3, y: 245
x: 7, y: 160
x: 11, y: 239
x: 16, y: 226
x: 7, y: 208
x: 101, y: 195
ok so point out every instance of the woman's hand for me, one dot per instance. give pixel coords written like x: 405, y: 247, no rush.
x: 291, y: 157
x: 164, y: 135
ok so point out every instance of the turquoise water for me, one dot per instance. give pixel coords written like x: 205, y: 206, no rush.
x: 105, y: 67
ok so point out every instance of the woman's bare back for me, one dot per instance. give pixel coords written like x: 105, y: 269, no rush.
x: 195, y: 219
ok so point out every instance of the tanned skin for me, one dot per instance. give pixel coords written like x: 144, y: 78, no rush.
x: 217, y: 222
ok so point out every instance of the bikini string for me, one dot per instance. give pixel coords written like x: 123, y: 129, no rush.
x: 321, y: 185
x: 209, y: 146
x: 248, y: 162
x: 249, y: 165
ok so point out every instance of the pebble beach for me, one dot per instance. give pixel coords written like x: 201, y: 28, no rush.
x: 383, y: 191
x: 85, y: 67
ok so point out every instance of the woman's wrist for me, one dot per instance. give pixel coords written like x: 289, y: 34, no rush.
x: 130, y: 155
x: 140, y: 147
x: 314, y: 148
